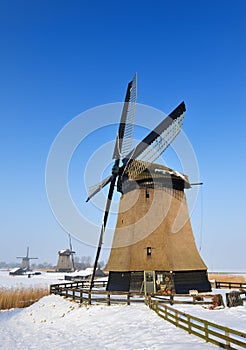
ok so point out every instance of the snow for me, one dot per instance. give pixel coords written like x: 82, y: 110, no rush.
x: 22, y: 281
x: 171, y: 172
x: 234, y: 317
x: 83, y: 273
x: 56, y: 323
x: 15, y: 269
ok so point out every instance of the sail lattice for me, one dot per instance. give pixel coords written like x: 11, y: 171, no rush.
x: 124, y: 138
x: 155, y: 149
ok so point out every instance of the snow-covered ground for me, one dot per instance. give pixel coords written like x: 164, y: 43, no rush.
x: 57, y: 323
x: 234, y: 317
x: 43, y: 280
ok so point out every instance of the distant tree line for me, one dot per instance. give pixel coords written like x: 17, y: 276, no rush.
x: 11, y: 265
x: 80, y: 263
x: 4, y: 265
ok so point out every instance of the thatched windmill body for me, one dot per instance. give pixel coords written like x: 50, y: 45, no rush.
x: 65, y: 259
x: 153, y: 245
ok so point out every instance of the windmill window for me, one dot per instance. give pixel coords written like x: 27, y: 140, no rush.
x: 147, y: 193
x: 149, y: 250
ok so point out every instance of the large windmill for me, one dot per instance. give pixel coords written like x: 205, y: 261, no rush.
x: 153, y: 244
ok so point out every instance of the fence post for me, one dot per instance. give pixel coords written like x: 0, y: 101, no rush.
x: 89, y: 297
x: 108, y: 298
x: 176, y: 318
x: 81, y: 297
x: 227, y: 335
x: 206, y: 330
x: 156, y: 306
x: 189, y: 325
x: 171, y: 299
x: 128, y: 298
x: 150, y: 302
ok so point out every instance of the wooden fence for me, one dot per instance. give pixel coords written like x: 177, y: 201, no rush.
x: 80, y: 292
x: 78, y: 284
x: 230, y: 285
x: 224, y: 337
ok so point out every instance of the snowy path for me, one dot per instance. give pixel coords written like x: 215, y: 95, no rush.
x: 55, y: 323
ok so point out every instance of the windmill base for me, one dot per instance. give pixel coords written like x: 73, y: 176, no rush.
x: 179, y: 282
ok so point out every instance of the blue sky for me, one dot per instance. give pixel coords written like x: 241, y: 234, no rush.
x: 59, y: 58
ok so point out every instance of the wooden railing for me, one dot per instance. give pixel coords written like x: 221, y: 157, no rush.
x: 230, y: 285
x: 186, y: 299
x: 80, y: 292
x: 224, y: 337
x: 78, y: 284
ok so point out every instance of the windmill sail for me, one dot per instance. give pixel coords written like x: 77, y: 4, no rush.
x: 72, y: 252
x: 127, y: 117
x: 123, y: 142
x: 155, y: 143
x: 97, y: 188
x: 124, y: 138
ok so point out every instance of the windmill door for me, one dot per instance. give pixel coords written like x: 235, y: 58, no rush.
x: 149, y: 282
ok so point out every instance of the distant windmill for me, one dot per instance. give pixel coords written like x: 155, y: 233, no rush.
x: 145, y: 249
x: 25, y: 264
x: 65, y: 260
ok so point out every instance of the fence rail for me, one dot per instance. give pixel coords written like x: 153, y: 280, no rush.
x: 222, y: 336
x: 80, y: 292
x: 230, y: 285
x: 78, y: 284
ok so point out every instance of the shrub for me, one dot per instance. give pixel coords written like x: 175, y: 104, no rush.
x: 20, y: 297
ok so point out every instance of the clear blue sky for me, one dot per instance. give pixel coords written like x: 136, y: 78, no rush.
x: 59, y: 58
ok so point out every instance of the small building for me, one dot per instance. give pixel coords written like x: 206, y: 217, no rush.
x: 84, y: 274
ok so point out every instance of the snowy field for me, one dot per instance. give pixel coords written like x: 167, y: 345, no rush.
x: 57, y: 323
x: 43, y: 280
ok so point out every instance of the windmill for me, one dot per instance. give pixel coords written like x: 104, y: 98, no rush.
x: 65, y: 259
x: 25, y: 264
x: 145, y: 251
